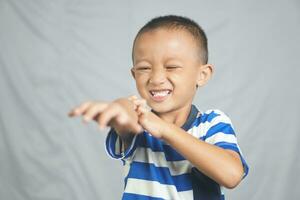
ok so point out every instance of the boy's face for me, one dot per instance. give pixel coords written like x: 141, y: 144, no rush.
x: 167, y: 69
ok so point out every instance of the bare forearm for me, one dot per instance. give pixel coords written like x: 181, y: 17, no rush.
x: 221, y: 165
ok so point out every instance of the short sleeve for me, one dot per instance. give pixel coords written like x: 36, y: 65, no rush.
x: 220, y: 132
x: 114, y: 146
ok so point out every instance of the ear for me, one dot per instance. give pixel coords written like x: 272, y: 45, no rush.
x: 132, y: 72
x: 204, y: 74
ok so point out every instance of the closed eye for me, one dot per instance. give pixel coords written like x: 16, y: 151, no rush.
x: 172, y: 67
x: 143, y: 68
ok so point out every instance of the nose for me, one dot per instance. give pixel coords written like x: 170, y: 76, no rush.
x: 158, y: 77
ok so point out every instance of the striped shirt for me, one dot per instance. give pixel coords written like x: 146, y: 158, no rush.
x: 154, y: 170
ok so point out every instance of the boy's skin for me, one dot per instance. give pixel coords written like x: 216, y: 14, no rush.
x: 167, y: 69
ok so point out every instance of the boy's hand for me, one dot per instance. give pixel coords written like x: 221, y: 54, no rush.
x: 120, y: 114
x: 147, y: 119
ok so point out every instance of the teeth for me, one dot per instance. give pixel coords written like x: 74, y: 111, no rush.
x: 161, y: 93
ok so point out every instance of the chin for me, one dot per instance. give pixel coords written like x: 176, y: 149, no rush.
x: 161, y: 108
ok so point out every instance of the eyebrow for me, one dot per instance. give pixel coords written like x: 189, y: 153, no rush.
x: 173, y: 58
x: 141, y: 60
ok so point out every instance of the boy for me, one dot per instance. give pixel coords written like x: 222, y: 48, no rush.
x: 173, y: 151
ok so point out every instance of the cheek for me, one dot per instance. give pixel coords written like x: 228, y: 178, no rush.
x: 141, y: 85
x: 185, y: 80
x: 185, y: 86
x: 140, y: 80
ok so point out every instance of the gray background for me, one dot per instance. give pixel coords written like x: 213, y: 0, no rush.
x: 56, y: 54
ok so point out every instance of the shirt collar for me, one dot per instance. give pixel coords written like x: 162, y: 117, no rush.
x: 191, y: 118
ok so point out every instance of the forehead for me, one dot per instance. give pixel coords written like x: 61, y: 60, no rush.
x: 165, y: 43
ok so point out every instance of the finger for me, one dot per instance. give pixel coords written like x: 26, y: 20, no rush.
x: 141, y: 102
x: 133, y: 97
x: 114, y: 115
x: 138, y: 102
x: 144, y: 102
x: 142, y: 110
x: 93, y: 111
x: 79, y: 109
x: 109, y: 113
x: 138, y: 110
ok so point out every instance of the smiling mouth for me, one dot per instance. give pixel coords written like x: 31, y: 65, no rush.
x: 160, y: 95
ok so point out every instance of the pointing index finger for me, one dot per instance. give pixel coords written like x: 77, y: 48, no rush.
x: 79, y: 109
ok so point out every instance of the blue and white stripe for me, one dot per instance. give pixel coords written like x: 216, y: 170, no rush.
x: 155, y: 170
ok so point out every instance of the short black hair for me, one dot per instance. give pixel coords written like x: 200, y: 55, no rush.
x: 178, y: 23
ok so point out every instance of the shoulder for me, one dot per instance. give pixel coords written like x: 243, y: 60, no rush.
x: 212, y: 124
x: 209, y: 122
x: 213, y: 116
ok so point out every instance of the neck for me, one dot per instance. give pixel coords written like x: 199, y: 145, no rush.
x: 177, y: 117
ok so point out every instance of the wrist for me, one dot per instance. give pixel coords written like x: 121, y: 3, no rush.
x: 166, y: 131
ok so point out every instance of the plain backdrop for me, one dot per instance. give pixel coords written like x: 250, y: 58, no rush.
x: 56, y: 54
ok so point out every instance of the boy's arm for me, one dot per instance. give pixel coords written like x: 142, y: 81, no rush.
x: 128, y: 126
x: 223, y: 166
x: 119, y: 114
